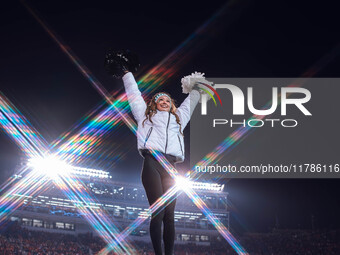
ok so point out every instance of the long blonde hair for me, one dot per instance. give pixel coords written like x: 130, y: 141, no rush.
x: 151, y: 110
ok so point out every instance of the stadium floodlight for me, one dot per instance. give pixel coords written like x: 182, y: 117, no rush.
x: 53, y: 167
x: 183, y: 183
x: 50, y: 166
x: 207, y: 186
x: 82, y: 171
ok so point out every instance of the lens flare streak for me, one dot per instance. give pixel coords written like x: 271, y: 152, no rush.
x: 160, y: 204
x: 162, y: 72
x: 20, y: 131
x: 215, y: 221
x: 100, y: 221
x: 89, y: 138
x: 15, y: 197
x: 163, y: 200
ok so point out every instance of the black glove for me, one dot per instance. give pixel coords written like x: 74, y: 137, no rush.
x: 117, y: 63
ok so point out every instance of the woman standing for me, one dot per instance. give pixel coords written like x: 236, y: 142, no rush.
x: 160, y: 127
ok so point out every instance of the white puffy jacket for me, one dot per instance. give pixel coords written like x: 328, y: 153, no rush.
x: 163, y: 134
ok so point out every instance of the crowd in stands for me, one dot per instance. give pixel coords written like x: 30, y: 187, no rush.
x: 20, y: 241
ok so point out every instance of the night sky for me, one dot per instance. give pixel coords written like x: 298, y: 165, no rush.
x: 266, y: 39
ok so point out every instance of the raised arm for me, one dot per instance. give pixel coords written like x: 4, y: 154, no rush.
x: 134, y: 96
x: 188, y: 106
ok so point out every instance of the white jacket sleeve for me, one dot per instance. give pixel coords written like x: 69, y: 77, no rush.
x: 187, y: 107
x: 134, y: 96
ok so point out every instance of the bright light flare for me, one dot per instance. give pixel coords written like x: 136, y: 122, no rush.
x: 183, y: 183
x: 50, y: 166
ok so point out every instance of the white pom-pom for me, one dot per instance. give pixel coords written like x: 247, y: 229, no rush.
x: 189, y: 81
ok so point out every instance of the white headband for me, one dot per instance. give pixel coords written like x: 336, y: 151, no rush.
x: 162, y: 94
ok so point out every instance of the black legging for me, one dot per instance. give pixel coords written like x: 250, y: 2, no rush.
x: 156, y: 182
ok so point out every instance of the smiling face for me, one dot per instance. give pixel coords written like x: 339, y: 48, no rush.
x: 163, y: 103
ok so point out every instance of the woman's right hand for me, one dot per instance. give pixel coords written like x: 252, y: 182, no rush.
x: 118, y: 63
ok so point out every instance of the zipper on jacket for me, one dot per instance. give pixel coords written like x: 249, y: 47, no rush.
x: 167, y: 127
x: 148, y: 135
x: 180, y: 144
